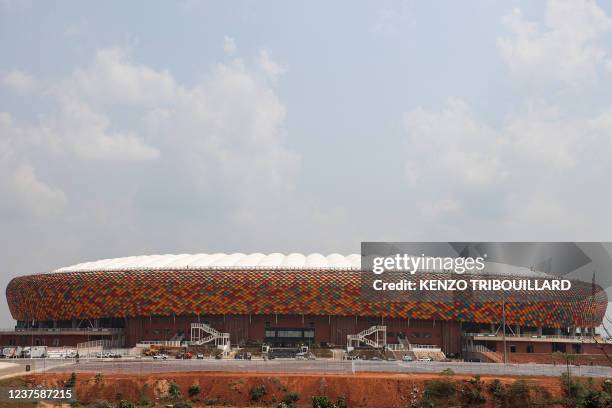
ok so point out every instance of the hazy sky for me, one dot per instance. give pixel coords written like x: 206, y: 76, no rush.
x: 159, y: 127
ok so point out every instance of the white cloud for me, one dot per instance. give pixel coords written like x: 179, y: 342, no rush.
x: 87, y: 134
x: 113, y: 78
x: 19, y: 81
x: 224, y: 133
x: 35, y: 194
x: 229, y: 45
x: 232, y: 126
x: 530, y: 210
x: 476, y: 153
x: 452, y: 144
x: 518, y: 165
x: 76, y: 131
x: 542, y: 135
x: 567, y: 47
x: 270, y: 67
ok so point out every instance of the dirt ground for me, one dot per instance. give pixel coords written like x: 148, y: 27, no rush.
x: 376, y: 390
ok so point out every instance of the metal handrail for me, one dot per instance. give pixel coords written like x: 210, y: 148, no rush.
x: 61, y: 329
x: 535, y: 336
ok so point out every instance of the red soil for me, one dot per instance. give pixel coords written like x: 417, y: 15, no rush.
x: 378, y: 390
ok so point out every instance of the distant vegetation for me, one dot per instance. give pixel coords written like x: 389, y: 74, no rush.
x: 577, y: 393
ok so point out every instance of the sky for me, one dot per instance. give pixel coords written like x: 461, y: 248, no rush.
x: 248, y: 126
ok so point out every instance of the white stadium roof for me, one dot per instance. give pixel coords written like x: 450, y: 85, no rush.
x: 255, y: 261
x: 220, y: 261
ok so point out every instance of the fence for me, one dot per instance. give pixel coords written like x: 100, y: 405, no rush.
x: 538, y: 336
x: 325, y: 366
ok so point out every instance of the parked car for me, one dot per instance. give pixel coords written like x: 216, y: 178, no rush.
x: 200, y: 356
x: 425, y: 359
x: 407, y: 359
x: 160, y: 357
x: 243, y: 356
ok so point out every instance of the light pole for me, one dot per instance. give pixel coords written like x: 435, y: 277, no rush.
x: 504, y: 326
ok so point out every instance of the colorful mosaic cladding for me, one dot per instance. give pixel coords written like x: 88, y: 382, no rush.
x: 64, y: 296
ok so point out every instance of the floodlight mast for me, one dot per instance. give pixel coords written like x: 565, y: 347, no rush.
x: 504, y: 325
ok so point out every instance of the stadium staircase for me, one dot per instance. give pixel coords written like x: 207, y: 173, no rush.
x: 380, y: 337
x: 493, y: 356
x: 484, y: 353
x: 405, y: 342
x: 202, y: 333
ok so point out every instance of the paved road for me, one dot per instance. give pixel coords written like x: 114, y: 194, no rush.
x: 15, y: 367
x: 146, y: 366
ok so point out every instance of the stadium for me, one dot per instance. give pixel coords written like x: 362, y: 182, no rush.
x: 285, y: 301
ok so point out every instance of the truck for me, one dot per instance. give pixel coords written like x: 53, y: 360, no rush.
x: 11, y: 352
x: 62, y: 353
x: 35, y: 352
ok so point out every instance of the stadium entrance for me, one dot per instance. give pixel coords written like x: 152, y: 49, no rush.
x: 289, y: 337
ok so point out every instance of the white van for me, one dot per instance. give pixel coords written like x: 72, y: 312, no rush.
x: 35, y: 352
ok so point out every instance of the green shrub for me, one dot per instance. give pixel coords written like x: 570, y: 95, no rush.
x: 447, y: 372
x: 472, y: 396
x: 125, y: 404
x: 498, y: 391
x: 341, y: 402
x: 98, y: 379
x: 71, y: 381
x: 174, y: 390
x: 439, y: 389
x: 181, y: 404
x: 286, y: 405
x: 291, y: 397
x: 194, y: 391
x: 475, y: 380
x: 607, y: 386
x: 471, y: 392
x: 258, y: 392
x: 322, y: 402
x: 518, y: 394
x: 143, y: 400
x: 101, y: 404
x: 574, y: 391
